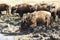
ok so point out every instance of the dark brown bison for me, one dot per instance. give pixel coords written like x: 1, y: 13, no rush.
x: 53, y: 12
x: 58, y: 12
x: 4, y: 7
x: 22, y: 8
x: 36, y: 19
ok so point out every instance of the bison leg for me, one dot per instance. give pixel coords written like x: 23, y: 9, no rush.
x: 33, y: 25
x: 7, y: 12
x: 53, y: 15
x: 21, y: 15
x: 47, y: 21
x: 0, y: 13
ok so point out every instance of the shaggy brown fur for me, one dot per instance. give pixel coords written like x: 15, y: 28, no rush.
x: 36, y: 19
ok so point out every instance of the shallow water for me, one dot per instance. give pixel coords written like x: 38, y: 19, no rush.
x: 2, y: 37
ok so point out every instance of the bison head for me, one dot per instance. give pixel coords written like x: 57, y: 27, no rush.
x: 13, y: 10
x: 32, y: 9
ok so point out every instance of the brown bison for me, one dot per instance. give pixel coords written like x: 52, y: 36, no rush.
x: 36, y: 19
x: 45, y: 7
x: 51, y: 8
x: 4, y: 7
x: 22, y: 8
x: 37, y: 7
x: 40, y: 6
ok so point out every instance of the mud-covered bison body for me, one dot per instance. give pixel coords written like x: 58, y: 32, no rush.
x: 22, y: 8
x: 37, y: 18
x: 4, y: 7
x: 45, y: 7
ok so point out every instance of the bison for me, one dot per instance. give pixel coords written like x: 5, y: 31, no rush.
x: 40, y: 6
x: 22, y: 8
x: 45, y: 7
x: 37, y: 18
x: 58, y: 12
x: 37, y: 7
x: 4, y: 7
x: 53, y: 11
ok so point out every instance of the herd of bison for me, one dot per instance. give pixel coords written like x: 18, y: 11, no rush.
x: 36, y: 15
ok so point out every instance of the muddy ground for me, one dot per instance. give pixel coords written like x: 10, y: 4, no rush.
x: 9, y: 26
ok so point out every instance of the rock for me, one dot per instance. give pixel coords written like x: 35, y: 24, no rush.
x: 55, y: 37
x: 1, y: 20
x: 36, y: 35
x: 44, y: 34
